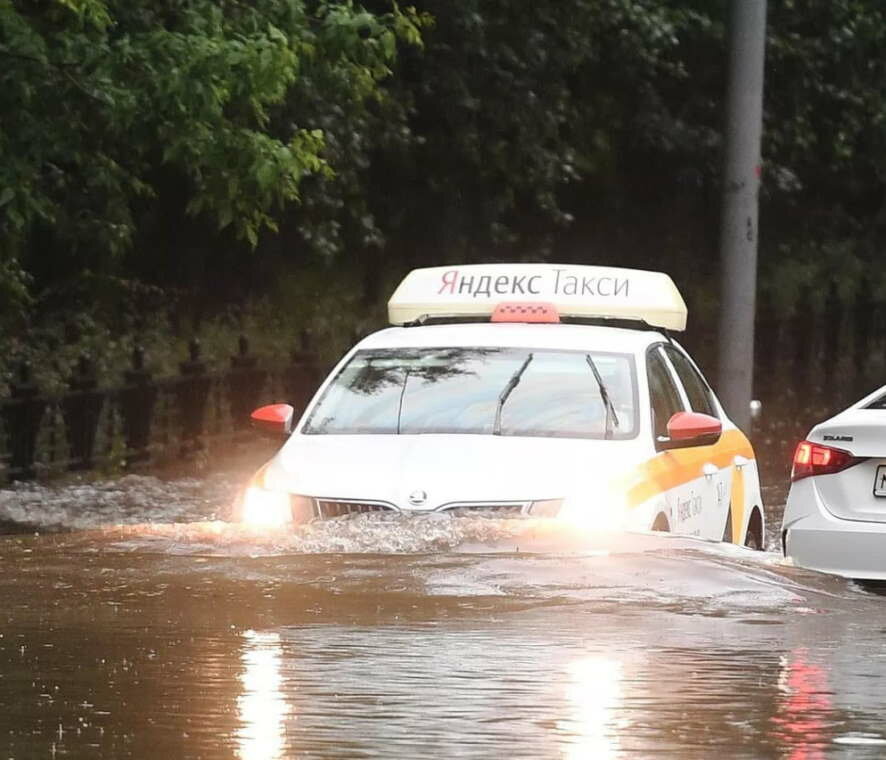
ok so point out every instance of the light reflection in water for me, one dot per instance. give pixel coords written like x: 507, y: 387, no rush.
x: 805, y: 700
x: 595, y: 694
x: 262, y: 706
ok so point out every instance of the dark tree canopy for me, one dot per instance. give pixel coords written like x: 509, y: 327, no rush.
x: 225, y: 151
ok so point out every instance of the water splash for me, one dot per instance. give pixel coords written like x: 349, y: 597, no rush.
x: 357, y: 534
x: 130, y: 499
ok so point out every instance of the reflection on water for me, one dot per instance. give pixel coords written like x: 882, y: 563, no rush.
x: 657, y: 646
x: 805, y: 705
x: 152, y: 629
x: 262, y: 706
x: 594, y: 690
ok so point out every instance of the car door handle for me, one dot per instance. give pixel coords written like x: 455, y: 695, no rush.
x: 740, y: 461
x: 709, y: 470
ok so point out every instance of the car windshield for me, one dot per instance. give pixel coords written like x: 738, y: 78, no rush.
x: 481, y: 391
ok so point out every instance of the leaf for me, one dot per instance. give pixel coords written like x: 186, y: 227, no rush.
x: 225, y: 217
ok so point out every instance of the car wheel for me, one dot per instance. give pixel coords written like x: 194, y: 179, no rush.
x: 661, y: 524
x: 753, y: 538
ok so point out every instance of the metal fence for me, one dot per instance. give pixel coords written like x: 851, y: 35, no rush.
x: 807, y: 366
x: 826, y: 353
x: 143, y: 421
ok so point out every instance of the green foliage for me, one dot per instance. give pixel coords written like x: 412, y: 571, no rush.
x: 488, y: 133
x: 95, y: 96
x: 300, y: 154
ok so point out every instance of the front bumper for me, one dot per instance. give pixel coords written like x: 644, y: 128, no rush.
x: 815, y: 539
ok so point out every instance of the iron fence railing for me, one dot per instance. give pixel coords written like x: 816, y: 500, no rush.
x: 144, y: 420
x: 807, y: 366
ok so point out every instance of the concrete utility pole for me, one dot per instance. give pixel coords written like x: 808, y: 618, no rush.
x: 738, y: 233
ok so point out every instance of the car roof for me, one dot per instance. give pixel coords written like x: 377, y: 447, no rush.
x: 515, y: 335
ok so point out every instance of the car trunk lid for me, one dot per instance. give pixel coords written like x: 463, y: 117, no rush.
x: 858, y: 492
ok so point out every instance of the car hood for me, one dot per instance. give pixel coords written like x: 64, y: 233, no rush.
x: 447, y: 468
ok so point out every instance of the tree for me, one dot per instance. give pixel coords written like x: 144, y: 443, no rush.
x: 104, y: 105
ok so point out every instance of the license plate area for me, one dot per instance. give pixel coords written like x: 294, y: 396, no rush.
x: 880, y: 481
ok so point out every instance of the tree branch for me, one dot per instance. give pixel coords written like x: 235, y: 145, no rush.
x: 57, y: 68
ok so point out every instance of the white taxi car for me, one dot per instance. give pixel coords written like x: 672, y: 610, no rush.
x: 835, y: 517
x: 530, y: 389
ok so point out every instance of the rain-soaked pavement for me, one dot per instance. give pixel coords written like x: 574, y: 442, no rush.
x: 135, y: 624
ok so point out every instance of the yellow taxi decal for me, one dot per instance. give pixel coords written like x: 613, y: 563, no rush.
x: 737, y: 502
x: 673, y: 468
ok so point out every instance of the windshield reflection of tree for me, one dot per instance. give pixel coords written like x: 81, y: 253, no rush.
x: 458, y: 390
x: 370, y: 395
x: 466, y: 403
x: 389, y: 368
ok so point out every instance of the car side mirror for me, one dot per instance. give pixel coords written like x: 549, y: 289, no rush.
x: 274, y: 420
x: 687, y: 429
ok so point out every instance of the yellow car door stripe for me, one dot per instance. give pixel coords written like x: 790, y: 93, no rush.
x: 737, y: 502
x: 671, y: 469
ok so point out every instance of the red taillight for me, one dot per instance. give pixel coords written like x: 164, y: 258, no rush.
x: 815, y: 459
x: 525, y: 312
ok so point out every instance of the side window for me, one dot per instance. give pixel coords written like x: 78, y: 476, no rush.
x: 664, y: 396
x: 696, y: 388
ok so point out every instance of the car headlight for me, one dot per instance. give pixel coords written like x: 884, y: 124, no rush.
x: 264, y: 507
x: 546, y: 508
x: 266, y: 503
x: 603, y: 512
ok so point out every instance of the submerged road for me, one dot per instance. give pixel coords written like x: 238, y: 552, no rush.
x: 137, y: 625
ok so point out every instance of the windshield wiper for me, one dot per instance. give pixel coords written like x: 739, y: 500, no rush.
x: 611, y: 416
x: 402, y: 396
x: 512, y: 383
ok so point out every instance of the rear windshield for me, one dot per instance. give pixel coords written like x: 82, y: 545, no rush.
x: 481, y: 391
x: 879, y: 403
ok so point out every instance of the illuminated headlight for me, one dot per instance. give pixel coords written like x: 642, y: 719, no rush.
x: 602, y: 512
x: 264, y: 507
x: 546, y: 508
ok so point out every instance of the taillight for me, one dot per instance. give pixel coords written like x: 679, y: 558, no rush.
x: 815, y: 459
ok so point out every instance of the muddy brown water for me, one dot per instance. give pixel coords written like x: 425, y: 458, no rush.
x: 135, y: 624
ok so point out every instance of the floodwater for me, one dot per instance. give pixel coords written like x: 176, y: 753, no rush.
x: 135, y: 624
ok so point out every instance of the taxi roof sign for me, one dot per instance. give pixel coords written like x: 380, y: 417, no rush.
x: 576, y: 291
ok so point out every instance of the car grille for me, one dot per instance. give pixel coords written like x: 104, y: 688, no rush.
x: 329, y: 508
x: 503, y: 509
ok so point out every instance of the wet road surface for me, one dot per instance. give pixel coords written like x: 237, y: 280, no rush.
x: 186, y: 637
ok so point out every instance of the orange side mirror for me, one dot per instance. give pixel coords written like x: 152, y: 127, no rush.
x: 273, y: 420
x: 686, y: 429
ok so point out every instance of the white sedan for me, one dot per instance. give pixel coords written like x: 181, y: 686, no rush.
x: 530, y: 390
x: 835, y: 517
